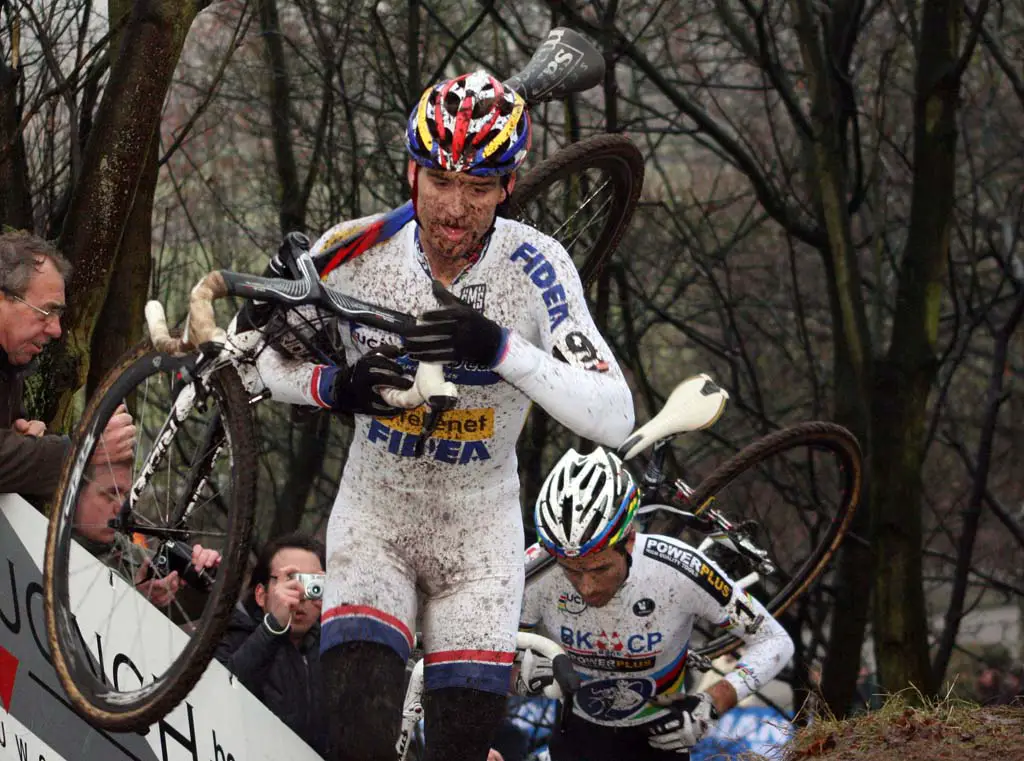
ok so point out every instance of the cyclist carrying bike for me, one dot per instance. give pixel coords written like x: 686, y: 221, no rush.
x: 623, y: 606
x: 500, y: 304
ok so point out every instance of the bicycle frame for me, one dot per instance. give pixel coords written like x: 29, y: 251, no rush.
x: 218, y: 348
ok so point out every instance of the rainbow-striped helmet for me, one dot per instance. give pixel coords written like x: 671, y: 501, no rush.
x: 472, y: 124
x: 586, y: 504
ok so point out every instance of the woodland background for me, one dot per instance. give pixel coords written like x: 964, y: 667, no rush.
x: 831, y: 226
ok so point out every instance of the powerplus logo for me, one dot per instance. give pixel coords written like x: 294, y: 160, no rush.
x: 693, y: 564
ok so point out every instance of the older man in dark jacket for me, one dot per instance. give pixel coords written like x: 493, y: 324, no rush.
x: 273, y: 641
x: 32, y: 275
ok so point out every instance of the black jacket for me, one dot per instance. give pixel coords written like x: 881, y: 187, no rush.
x: 286, y: 679
x: 29, y: 465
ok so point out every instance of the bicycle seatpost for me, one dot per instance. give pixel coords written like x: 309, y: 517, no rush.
x: 654, y: 474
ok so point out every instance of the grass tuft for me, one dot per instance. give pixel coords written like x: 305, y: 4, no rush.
x: 910, y: 727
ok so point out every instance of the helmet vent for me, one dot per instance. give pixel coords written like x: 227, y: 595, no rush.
x: 585, y: 481
x: 452, y: 101
x: 592, y: 526
x: 567, y: 509
x: 483, y: 106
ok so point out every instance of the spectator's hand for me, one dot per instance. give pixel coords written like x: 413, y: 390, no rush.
x: 118, y: 441
x: 284, y: 596
x: 161, y: 591
x: 493, y: 755
x: 203, y: 557
x: 29, y: 427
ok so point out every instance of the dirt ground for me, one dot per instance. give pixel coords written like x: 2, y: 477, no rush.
x: 951, y: 730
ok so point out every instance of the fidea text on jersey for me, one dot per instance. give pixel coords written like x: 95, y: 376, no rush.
x: 443, y: 450
x: 543, y: 275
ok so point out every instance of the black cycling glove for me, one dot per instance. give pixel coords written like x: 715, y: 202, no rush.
x: 454, y: 333
x: 357, y: 388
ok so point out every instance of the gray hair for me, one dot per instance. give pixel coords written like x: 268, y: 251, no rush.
x: 21, y: 256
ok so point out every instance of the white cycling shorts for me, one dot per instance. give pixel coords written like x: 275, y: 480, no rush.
x: 452, y: 564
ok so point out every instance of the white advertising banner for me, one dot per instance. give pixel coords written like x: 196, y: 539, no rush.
x: 218, y: 721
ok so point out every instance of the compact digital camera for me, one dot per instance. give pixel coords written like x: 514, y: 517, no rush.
x: 312, y: 585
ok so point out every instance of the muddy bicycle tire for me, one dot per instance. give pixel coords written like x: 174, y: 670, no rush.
x: 817, y: 435
x: 89, y: 693
x: 617, y: 159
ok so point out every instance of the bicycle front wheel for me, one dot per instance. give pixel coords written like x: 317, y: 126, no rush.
x: 793, y: 493
x: 584, y: 196
x: 129, y: 637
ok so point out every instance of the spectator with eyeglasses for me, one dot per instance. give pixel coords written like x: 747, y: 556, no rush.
x: 32, y: 276
x: 273, y: 641
x: 98, y: 503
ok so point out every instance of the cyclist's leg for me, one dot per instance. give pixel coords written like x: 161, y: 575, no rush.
x: 363, y: 687
x: 366, y: 632
x: 474, y: 587
x: 460, y: 723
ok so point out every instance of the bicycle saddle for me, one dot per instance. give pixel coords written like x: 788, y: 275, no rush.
x: 694, y: 404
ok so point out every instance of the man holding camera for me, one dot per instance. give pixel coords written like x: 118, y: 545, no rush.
x: 273, y: 641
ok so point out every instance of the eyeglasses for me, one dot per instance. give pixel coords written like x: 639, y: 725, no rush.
x: 56, y: 311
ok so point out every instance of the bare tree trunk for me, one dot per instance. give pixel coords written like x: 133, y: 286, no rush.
x: 112, y: 166
x: 906, y: 376
x: 291, y: 204
x: 120, y: 323
x: 306, y: 463
x: 531, y: 462
x: 307, y: 458
x: 972, y: 512
x: 830, y: 186
x: 15, y: 191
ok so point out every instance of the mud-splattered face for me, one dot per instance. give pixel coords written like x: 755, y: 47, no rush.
x: 455, y: 210
x: 598, y: 577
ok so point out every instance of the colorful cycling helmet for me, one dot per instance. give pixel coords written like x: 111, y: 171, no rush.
x: 586, y: 504
x: 471, y: 124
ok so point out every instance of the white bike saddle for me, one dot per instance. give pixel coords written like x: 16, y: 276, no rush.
x: 694, y: 404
